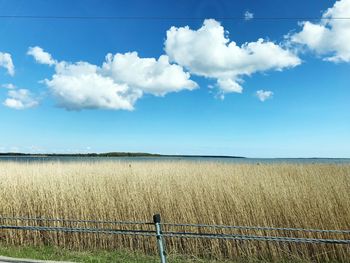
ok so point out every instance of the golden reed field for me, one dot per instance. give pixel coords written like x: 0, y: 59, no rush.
x: 280, y: 195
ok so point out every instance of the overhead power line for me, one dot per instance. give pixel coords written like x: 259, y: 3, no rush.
x: 160, y: 18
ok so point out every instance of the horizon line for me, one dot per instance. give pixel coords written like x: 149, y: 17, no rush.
x: 146, y: 154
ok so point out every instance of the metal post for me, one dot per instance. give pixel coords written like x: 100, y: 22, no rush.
x: 160, y: 242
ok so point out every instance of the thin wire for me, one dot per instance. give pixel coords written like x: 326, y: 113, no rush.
x: 175, y: 225
x: 257, y: 238
x: 81, y: 230
x: 73, y: 220
x: 162, y: 18
x: 259, y: 228
x: 177, y: 234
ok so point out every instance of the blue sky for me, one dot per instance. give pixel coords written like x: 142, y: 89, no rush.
x: 285, y: 96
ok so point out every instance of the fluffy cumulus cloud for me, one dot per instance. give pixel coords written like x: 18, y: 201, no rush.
x: 264, y: 95
x: 7, y: 63
x: 330, y: 37
x: 82, y: 86
x: 20, y: 99
x: 208, y: 52
x: 157, y: 77
x: 117, y: 84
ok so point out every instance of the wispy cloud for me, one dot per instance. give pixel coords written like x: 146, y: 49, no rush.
x: 248, y: 15
x: 41, y: 56
x: 20, y: 99
x: 7, y: 63
x: 8, y: 86
x: 264, y: 95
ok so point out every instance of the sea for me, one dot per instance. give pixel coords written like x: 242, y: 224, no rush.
x: 190, y: 159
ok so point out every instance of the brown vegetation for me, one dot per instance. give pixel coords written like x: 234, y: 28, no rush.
x: 281, y: 195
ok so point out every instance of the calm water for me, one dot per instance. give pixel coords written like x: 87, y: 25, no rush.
x: 201, y: 159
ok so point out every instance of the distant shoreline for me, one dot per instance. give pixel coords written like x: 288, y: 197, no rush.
x: 114, y: 154
x: 155, y: 155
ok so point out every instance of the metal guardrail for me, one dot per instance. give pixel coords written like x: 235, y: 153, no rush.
x: 260, y: 228
x: 37, y: 219
x: 161, y: 235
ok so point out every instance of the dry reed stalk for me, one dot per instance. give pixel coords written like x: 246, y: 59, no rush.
x: 281, y: 195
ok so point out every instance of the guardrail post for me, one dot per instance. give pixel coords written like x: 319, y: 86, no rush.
x: 160, y: 241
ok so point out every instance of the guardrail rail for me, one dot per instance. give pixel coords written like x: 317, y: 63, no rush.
x: 161, y: 235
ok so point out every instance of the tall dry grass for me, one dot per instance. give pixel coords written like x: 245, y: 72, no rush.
x: 281, y: 195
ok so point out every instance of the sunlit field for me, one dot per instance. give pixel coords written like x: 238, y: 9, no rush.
x: 280, y: 195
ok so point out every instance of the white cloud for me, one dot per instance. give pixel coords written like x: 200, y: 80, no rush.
x: 41, y: 56
x: 331, y: 36
x: 248, y: 15
x: 20, y: 99
x: 208, y: 52
x: 8, y: 86
x: 264, y: 95
x: 81, y: 86
x: 229, y: 85
x: 157, y: 77
x: 7, y: 63
x: 117, y: 84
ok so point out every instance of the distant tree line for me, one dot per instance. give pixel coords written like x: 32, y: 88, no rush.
x: 111, y: 154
